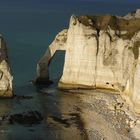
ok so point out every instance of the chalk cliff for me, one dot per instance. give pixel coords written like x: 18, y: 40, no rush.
x: 102, y: 52
x: 6, y: 78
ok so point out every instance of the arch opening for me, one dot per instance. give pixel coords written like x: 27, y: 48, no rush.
x: 56, y: 66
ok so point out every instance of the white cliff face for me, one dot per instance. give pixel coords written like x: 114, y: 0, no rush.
x: 101, y: 52
x: 79, y: 61
x: 6, y: 78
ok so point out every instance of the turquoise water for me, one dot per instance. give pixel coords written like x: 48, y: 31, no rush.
x: 29, y: 27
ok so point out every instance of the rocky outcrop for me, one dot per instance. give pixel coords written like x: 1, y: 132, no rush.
x: 6, y: 78
x: 42, y: 66
x: 132, y: 15
x: 102, y: 52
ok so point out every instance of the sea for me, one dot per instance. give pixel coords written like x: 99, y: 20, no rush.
x: 28, y: 28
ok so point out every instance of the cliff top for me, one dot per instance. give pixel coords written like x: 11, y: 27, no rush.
x: 131, y: 24
x: 132, y: 15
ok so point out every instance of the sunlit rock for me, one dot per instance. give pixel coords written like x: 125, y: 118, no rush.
x: 6, y: 78
x: 132, y: 15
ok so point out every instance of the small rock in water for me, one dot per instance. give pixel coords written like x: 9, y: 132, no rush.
x: 23, y: 97
x: 26, y: 118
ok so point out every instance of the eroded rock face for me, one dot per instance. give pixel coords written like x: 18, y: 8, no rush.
x: 6, y: 78
x: 101, y: 52
x: 42, y: 66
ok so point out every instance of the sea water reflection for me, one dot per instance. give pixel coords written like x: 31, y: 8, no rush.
x: 44, y: 114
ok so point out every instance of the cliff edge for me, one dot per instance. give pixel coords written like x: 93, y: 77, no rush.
x: 6, y: 78
x: 101, y: 52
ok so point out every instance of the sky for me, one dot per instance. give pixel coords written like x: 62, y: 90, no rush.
x: 38, y: 3
x: 70, y: 6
